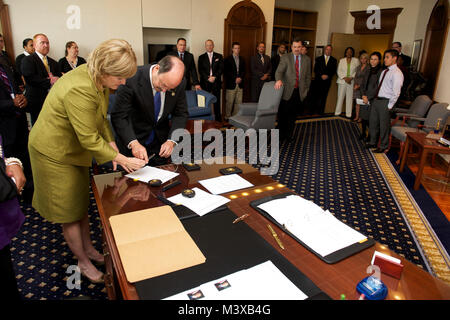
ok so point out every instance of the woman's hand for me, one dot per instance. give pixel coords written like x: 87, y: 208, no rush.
x: 128, y: 163
x: 16, y: 172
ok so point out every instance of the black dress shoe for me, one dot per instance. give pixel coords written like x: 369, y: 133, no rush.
x: 370, y: 146
x: 379, y: 150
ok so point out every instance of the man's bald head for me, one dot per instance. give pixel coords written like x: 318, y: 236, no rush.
x: 168, y: 73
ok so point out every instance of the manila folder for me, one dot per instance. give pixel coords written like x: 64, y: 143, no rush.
x: 153, y: 242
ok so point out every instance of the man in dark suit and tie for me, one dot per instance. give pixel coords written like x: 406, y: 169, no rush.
x: 406, y: 59
x: 261, y: 68
x: 324, y: 69
x: 294, y: 73
x: 275, y: 60
x: 210, y: 68
x: 40, y: 73
x: 189, y: 64
x: 234, y: 74
x: 140, y: 114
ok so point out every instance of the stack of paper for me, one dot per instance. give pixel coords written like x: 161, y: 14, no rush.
x: 316, y: 228
x: 262, y: 282
x: 224, y: 184
x: 147, y: 173
x: 202, y: 203
x: 153, y: 242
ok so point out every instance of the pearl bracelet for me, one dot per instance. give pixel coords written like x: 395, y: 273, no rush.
x: 11, y: 161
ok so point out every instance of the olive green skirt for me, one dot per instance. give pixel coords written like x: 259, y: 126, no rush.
x: 61, y: 191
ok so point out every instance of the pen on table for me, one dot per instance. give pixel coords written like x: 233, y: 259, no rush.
x: 171, y: 185
x: 275, y: 236
x: 240, y: 218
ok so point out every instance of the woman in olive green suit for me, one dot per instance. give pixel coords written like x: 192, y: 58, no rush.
x: 72, y: 128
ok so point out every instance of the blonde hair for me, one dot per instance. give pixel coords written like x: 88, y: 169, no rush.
x: 113, y: 57
x: 364, y: 55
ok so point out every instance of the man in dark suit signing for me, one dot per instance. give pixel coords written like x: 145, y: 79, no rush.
x: 210, y: 68
x: 324, y: 69
x: 140, y: 114
x: 190, y: 72
x: 40, y: 73
x: 294, y: 74
x: 261, y: 68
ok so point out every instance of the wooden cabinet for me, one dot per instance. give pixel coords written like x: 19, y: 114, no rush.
x: 291, y: 23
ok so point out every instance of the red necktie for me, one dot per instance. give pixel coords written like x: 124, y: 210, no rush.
x: 297, y: 71
x: 381, y: 82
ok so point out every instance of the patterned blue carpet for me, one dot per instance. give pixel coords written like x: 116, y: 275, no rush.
x: 326, y: 164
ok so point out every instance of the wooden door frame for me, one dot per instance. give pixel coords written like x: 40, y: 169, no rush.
x: 427, y: 50
x: 6, y: 30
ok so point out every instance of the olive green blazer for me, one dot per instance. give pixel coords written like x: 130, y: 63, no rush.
x: 72, y: 127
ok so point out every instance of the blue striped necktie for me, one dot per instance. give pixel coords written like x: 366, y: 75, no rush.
x: 157, y: 105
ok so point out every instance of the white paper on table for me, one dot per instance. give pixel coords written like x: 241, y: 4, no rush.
x: 148, y: 173
x: 261, y: 282
x: 224, y: 184
x: 385, y: 256
x: 202, y: 203
x: 316, y: 228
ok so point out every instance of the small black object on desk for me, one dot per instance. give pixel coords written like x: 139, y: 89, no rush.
x: 230, y: 170
x: 189, y: 193
x: 191, y: 166
x: 155, y: 182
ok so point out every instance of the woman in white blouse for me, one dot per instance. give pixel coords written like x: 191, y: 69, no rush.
x: 346, y: 74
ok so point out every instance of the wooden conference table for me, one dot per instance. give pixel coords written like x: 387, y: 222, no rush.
x: 116, y: 194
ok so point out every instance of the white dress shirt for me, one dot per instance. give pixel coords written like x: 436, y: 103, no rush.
x: 392, y: 85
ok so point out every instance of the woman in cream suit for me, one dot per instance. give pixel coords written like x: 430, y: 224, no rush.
x: 72, y: 128
x: 346, y: 74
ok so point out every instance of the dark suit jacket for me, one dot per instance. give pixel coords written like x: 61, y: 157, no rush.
x: 37, y: 82
x: 8, y: 118
x: 320, y: 68
x: 189, y: 69
x: 406, y: 60
x: 275, y: 61
x: 204, y: 68
x: 230, y: 72
x: 133, y: 115
x: 258, y: 69
x: 19, y: 59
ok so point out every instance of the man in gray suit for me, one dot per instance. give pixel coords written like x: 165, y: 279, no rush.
x: 294, y: 73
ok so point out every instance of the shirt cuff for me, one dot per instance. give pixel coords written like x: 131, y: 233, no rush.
x: 172, y: 141
x: 129, y: 144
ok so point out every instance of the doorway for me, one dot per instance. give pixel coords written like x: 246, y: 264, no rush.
x: 367, y: 42
x: 245, y: 24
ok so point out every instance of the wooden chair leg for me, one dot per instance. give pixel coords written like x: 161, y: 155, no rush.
x: 400, y: 154
x: 432, y: 160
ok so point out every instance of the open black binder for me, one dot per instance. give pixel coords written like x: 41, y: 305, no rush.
x: 228, y: 248
x: 331, y: 258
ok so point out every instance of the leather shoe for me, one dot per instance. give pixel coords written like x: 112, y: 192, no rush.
x: 379, y: 150
x: 370, y: 146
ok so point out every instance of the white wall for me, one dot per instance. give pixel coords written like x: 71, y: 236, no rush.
x: 100, y: 20
x: 207, y: 20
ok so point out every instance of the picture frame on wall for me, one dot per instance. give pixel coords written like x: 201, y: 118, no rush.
x: 415, y: 56
x: 319, y: 51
